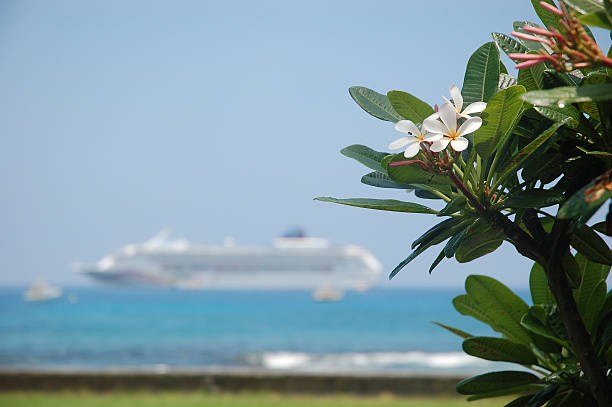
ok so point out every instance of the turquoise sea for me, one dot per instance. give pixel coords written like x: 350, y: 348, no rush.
x: 164, y: 329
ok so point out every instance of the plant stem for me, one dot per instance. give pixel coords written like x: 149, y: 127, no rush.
x: 468, y: 194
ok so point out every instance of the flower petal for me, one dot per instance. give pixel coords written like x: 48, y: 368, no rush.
x: 431, y: 137
x: 406, y: 126
x: 459, y: 144
x: 448, y: 114
x: 457, y: 98
x: 434, y: 126
x: 469, y: 126
x: 401, y: 142
x: 439, y: 145
x: 475, y: 107
x: 412, y: 149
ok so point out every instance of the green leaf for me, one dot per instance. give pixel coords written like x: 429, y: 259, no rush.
x: 374, y: 103
x: 588, y: 243
x: 593, y: 306
x: 453, y: 242
x: 436, y: 261
x: 453, y: 206
x: 499, y: 349
x: 597, y: 19
x: 380, y: 204
x: 411, y: 174
x: 366, y: 156
x: 436, y: 230
x: 456, y: 331
x: 380, y: 180
x: 528, y: 388
x: 520, y: 402
x: 532, y: 78
x: 508, y: 44
x: 592, y: 274
x: 535, y: 198
x: 516, y: 161
x: 498, y: 120
x: 570, y: 266
x: 541, y: 397
x: 408, y: 106
x: 505, y: 81
x: 557, y: 114
x: 538, y: 285
x: 530, y: 45
x: 597, y: 153
x: 478, y: 241
x: 569, y: 94
x: 586, y: 6
x: 424, y: 245
x: 536, y: 321
x: 493, y: 381
x: 588, y: 198
x: 481, y: 74
x: 502, y: 308
x: 549, y: 19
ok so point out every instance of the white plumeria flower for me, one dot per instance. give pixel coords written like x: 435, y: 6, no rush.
x: 413, y: 141
x: 457, y: 103
x: 447, y: 129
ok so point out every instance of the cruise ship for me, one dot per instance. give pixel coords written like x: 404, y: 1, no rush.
x: 293, y: 262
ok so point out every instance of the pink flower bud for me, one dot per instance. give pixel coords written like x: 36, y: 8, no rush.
x: 551, y: 8
x: 527, y: 64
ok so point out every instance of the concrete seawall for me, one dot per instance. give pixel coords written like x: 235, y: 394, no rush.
x: 227, y: 382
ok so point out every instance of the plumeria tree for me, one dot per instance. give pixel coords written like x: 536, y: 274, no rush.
x: 525, y: 160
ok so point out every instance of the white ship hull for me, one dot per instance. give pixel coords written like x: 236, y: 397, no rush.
x: 294, y: 263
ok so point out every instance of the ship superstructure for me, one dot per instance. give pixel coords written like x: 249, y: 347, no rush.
x: 294, y: 262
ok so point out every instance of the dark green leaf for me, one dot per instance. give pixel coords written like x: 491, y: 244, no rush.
x: 436, y: 230
x: 570, y: 266
x: 569, y: 94
x: 380, y: 180
x: 549, y: 19
x: 411, y: 174
x: 499, y: 349
x: 597, y: 19
x: 478, y: 241
x: 453, y: 242
x: 516, y: 161
x: 538, y: 321
x: 493, y: 381
x: 366, y: 156
x: 592, y: 274
x: 588, y: 243
x: 374, y: 103
x: 586, y: 6
x: 588, y: 198
x: 380, y: 204
x: 538, y: 285
x: 498, y: 119
x: 557, y: 114
x: 502, y: 308
x: 455, y: 205
x: 535, y: 198
x: 456, y: 331
x: 436, y: 261
x: 408, y: 106
x: 424, y: 245
x: 505, y: 81
x: 481, y: 74
x: 520, y: 402
x: 543, y: 395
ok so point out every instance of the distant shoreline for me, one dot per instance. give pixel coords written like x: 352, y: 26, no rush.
x: 243, y: 380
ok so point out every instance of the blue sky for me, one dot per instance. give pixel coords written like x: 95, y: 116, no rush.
x: 217, y: 119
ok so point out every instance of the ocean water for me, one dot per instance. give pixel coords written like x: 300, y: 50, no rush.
x: 165, y: 329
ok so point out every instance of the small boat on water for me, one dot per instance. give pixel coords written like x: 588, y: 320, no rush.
x: 40, y: 290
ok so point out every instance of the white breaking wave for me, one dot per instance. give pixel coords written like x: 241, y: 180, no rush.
x: 404, y: 361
